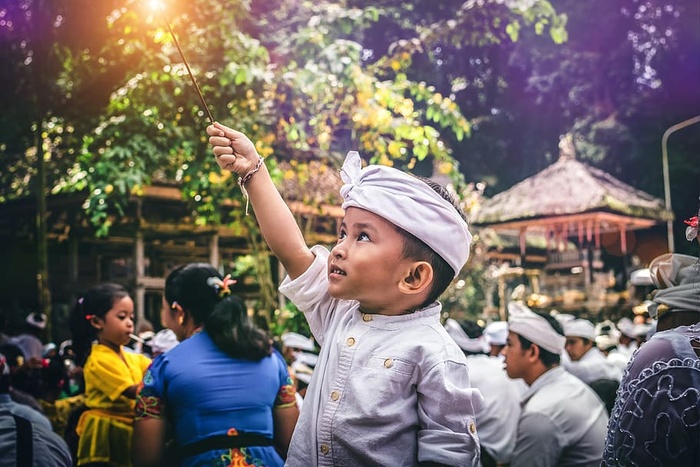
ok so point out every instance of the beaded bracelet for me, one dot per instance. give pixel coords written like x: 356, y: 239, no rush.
x: 244, y: 179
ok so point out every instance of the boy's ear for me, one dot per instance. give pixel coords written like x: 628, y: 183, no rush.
x: 418, y: 279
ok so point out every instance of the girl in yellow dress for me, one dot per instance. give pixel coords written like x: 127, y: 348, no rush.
x: 102, y: 322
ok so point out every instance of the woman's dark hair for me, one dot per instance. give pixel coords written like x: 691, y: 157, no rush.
x: 416, y: 249
x: 225, y: 318
x: 96, y: 302
x: 548, y: 358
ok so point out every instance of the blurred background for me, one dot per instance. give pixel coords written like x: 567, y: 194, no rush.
x: 551, y: 121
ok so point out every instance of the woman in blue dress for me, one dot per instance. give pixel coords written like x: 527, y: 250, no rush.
x: 223, y: 395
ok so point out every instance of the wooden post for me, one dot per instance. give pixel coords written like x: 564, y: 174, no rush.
x: 140, y: 293
x: 214, y: 258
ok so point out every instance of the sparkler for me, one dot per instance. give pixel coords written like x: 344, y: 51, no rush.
x: 157, y: 5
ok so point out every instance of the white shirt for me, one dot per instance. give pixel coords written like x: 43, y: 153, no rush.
x: 563, y: 423
x: 592, y: 366
x: 497, y: 420
x: 386, y: 391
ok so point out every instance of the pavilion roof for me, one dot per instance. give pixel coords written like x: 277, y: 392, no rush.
x: 571, y: 190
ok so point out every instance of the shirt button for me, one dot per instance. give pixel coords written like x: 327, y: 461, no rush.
x: 335, y: 395
x: 350, y: 341
x: 388, y: 363
x: 366, y: 318
x: 472, y: 428
x: 325, y: 449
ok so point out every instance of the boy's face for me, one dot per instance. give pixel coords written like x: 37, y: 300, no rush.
x: 515, y: 357
x: 576, y: 347
x: 367, y: 263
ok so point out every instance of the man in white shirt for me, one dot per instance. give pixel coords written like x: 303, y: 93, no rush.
x: 562, y: 421
x: 586, y: 360
x: 498, y: 417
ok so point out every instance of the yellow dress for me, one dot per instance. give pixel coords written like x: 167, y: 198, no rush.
x: 105, y: 428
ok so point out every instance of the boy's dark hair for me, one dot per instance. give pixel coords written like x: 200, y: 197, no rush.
x: 416, y: 249
x: 224, y: 319
x: 548, y: 358
x: 96, y: 302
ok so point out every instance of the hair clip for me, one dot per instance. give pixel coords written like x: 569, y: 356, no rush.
x: 221, y: 285
x: 89, y: 317
x: 691, y: 232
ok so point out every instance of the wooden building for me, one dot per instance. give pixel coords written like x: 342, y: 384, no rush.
x: 590, y: 229
x: 156, y: 232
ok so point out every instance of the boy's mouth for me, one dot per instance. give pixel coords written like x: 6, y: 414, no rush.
x: 336, y: 270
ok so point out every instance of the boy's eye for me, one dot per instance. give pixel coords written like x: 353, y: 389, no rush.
x: 363, y: 237
x: 341, y: 235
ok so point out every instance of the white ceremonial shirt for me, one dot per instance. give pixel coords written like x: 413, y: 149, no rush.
x: 386, y: 391
x: 498, y: 417
x: 592, y: 366
x: 563, y: 423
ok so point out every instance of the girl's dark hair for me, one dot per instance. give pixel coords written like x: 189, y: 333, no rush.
x: 225, y: 319
x: 416, y: 249
x: 96, y: 302
x: 549, y: 359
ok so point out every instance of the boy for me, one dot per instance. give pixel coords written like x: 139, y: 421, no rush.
x: 390, y: 386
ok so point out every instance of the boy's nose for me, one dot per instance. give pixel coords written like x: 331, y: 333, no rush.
x: 338, y: 251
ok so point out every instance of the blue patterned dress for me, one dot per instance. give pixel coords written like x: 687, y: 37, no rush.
x: 203, y: 392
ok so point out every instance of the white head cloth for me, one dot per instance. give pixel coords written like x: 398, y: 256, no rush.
x: 678, y: 278
x: 408, y: 203
x: 163, y: 340
x: 38, y: 320
x: 297, y: 341
x: 496, y: 333
x: 466, y: 343
x: 536, y: 329
x: 626, y: 326
x: 579, y: 328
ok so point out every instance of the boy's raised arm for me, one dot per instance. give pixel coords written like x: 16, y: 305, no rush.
x: 235, y: 152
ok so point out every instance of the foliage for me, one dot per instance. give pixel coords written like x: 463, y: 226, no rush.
x: 288, y: 319
x: 403, y: 82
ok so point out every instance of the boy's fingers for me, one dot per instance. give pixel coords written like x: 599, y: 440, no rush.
x: 225, y: 131
x: 219, y: 141
x: 214, y: 131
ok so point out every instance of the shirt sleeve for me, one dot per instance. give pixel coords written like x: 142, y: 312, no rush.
x: 150, y: 400
x: 446, y: 410
x: 537, y: 444
x: 286, y: 396
x: 309, y: 292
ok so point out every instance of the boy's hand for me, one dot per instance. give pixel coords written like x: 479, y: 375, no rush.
x: 233, y: 150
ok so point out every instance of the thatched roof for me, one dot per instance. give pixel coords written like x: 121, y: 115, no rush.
x: 565, y: 188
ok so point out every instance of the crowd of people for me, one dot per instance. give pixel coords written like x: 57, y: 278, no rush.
x: 382, y: 380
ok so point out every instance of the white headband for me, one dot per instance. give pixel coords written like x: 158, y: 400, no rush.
x: 579, y: 328
x: 408, y: 203
x: 466, y: 343
x: 496, y: 333
x: 536, y: 329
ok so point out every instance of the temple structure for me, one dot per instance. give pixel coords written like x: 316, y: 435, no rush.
x: 592, y: 230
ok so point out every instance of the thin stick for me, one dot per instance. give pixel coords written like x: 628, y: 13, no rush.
x: 187, y: 65
x: 137, y: 338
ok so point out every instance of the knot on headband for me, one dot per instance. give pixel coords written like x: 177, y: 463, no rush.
x: 221, y: 286
x: 408, y: 203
